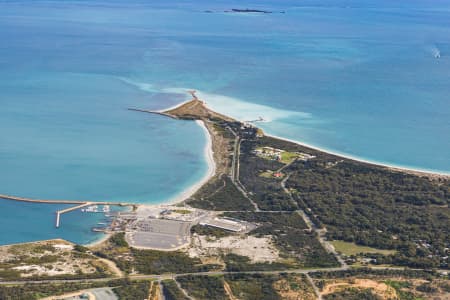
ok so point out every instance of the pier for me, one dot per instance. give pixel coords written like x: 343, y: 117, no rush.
x: 22, y: 199
x: 60, y: 212
x: 78, y: 204
x: 154, y: 112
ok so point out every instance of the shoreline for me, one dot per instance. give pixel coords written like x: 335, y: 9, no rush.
x: 406, y: 169
x: 208, y: 155
x: 410, y: 170
x: 104, y: 238
x: 392, y: 166
x: 163, y: 110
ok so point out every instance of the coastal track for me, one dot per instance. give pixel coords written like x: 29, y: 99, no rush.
x: 235, y: 168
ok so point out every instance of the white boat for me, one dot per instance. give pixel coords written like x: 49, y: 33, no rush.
x: 92, y: 208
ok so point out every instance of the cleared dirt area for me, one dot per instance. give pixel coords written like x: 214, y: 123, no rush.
x: 154, y: 291
x: 112, y: 267
x: 379, y: 288
x: 257, y: 249
x: 384, y: 287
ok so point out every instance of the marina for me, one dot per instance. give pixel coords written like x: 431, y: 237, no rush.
x: 88, y: 207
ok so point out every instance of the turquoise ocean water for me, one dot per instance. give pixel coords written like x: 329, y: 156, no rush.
x: 369, y: 79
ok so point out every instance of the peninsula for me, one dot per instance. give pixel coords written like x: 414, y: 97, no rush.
x: 271, y: 218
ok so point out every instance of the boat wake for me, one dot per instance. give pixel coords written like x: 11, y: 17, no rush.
x: 435, y: 51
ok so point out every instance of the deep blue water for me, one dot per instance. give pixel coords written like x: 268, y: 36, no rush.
x: 357, y: 77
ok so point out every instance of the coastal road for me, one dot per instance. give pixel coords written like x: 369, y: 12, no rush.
x: 173, y: 276
x: 235, y: 169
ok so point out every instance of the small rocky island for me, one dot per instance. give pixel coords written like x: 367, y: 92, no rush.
x: 246, y: 10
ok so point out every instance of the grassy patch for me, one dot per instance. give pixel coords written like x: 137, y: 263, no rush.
x: 266, y: 174
x: 269, y: 174
x: 349, y: 249
x: 288, y: 157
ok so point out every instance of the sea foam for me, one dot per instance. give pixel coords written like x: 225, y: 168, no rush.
x: 147, y: 87
x: 230, y: 106
x: 246, y: 111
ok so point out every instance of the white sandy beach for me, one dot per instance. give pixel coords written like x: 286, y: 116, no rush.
x: 102, y: 239
x: 261, y: 111
x: 208, y: 152
x: 174, y: 106
x: 346, y: 156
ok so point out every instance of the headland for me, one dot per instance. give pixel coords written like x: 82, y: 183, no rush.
x: 217, y: 153
x: 268, y: 211
x: 197, y: 109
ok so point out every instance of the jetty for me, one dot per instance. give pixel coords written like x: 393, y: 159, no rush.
x: 63, y: 211
x: 78, y: 204
x: 168, y: 113
x: 22, y: 199
x: 156, y: 112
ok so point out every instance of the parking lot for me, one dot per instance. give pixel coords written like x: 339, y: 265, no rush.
x: 159, y: 234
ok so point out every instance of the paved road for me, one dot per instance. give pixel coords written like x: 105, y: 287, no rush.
x: 235, y: 170
x: 209, y: 273
x: 175, y: 275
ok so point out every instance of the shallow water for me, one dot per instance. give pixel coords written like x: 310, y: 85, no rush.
x: 25, y: 222
x: 58, y: 143
x: 358, y: 77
